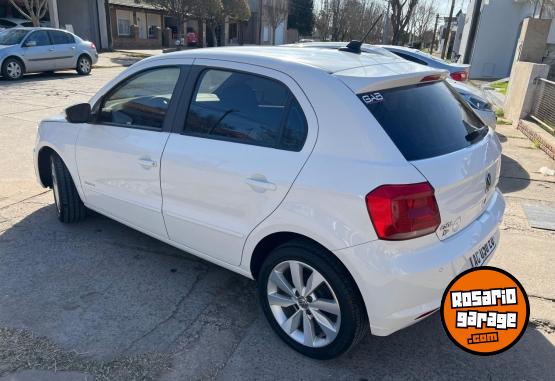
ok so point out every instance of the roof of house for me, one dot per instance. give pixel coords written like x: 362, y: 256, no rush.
x: 134, y: 4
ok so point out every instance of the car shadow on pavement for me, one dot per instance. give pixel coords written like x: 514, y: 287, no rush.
x: 106, y: 291
x: 38, y: 77
x: 513, y: 176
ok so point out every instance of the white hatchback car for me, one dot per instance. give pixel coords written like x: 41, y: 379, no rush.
x: 353, y: 188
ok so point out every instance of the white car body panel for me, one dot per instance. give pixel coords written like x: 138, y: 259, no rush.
x: 203, y: 205
x: 215, y: 192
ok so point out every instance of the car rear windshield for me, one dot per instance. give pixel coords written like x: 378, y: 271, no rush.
x: 425, y: 120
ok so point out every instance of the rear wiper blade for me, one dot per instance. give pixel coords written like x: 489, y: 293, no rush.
x: 474, y: 135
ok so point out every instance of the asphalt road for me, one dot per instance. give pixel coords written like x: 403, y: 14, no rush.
x: 102, y: 301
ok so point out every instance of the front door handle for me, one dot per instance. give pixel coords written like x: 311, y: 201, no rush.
x: 260, y: 184
x: 147, y: 163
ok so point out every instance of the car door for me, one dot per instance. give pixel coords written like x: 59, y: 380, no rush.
x: 118, y: 154
x: 247, y: 133
x: 64, y: 47
x: 38, y: 52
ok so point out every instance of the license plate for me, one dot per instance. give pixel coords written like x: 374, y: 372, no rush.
x: 483, y: 252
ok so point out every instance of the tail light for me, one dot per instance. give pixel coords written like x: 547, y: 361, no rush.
x: 401, y: 212
x: 93, y: 45
x: 460, y: 76
x: 431, y: 78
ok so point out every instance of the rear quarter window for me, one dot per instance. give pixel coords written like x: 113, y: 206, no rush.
x: 425, y: 120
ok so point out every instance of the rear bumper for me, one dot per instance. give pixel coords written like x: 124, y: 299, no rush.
x: 402, y: 280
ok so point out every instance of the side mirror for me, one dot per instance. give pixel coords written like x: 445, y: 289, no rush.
x: 30, y: 44
x: 79, y: 113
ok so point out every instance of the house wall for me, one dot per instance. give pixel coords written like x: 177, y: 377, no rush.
x: 496, y: 37
x: 140, y: 21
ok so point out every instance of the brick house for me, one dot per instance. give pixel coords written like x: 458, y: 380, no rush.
x: 135, y: 24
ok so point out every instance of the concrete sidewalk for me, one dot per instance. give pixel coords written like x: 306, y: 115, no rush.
x: 124, y: 58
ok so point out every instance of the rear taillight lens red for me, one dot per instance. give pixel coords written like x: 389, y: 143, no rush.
x: 93, y: 45
x: 460, y: 76
x: 401, y: 212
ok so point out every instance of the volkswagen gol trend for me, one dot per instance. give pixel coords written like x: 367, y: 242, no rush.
x: 352, y: 187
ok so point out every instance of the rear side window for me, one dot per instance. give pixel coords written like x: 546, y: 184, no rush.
x: 246, y: 108
x: 411, y: 58
x: 60, y: 38
x: 425, y: 120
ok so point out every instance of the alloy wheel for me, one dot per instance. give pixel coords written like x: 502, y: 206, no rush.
x: 303, y: 303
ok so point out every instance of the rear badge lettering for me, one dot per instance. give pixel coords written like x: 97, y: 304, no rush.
x: 372, y: 98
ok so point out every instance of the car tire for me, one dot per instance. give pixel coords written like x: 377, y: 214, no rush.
x: 332, y: 314
x: 68, y: 204
x: 84, y: 65
x: 13, y: 69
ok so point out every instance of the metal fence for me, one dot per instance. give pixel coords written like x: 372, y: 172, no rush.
x: 544, y: 107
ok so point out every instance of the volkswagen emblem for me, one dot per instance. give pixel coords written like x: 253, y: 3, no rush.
x: 488, y: 182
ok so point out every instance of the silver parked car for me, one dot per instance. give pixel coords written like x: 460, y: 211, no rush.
x: 31, y: 50
x: 457, y: 72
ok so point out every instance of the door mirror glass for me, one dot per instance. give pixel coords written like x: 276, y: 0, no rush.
x: 79, y: 113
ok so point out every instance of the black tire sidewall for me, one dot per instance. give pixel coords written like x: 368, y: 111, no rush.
x: 343, y: 291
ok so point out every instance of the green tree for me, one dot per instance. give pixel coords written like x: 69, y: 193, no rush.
x: 301, y: 16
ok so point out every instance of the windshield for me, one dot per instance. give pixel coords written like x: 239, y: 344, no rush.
x: 12, y: 37
x: 425, y: 120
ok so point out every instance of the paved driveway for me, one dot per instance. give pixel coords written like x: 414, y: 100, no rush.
x: 104, y: 301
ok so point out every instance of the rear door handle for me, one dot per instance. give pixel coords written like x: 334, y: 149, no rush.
x: 260, y: 184
x: 147, y: 163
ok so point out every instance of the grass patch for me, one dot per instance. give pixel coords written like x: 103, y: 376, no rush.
x: 500, y: 87
x: 504, y: 122
x: 500, y: 113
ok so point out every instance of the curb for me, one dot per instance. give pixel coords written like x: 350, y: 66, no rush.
x: 527, y: 128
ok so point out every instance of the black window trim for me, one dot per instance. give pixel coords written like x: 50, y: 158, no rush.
x: 36, y: 31
x: 174, y: 101
x: 197, y: 75
x: 412, y: 58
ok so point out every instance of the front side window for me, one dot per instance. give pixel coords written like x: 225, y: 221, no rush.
x: 246, y: 108
x: 141, y: 101
x: 60, y: 38
x: 39, y: 37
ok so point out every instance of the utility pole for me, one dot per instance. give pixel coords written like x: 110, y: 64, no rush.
x: 434, y: 35
x: 386, y: 24
x: 444, y: 48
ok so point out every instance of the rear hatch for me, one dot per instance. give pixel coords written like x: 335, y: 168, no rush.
x: 441, y: 137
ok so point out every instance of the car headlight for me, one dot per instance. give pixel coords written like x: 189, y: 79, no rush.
x: 477, y: 102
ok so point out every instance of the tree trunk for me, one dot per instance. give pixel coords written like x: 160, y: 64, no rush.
x: 36, y: 21
x: 274, y: 35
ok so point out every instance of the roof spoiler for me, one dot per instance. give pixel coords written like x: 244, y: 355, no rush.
x: 380, y: 77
